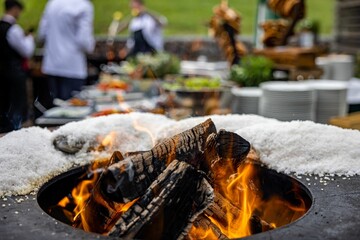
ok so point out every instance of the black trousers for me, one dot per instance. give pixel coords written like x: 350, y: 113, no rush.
x: 63, y: 87
x: 12, y: 98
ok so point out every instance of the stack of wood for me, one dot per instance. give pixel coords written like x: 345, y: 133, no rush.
x: 224, y: 26
x: 277, y: 32
x: 171, y: 187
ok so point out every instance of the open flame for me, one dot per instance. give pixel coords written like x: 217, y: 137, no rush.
x: 75, y: 206
x: 249, y: 207
x: 109, y: 140
x: 243, y: 190
x: 141, y: 128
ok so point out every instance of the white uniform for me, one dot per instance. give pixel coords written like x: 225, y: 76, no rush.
x: 67, y: 28
x: 22, y: 44
x: 151, y: 30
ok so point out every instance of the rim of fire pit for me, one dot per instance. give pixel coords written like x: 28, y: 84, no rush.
x: 57, y: 190
x: 333, y: 215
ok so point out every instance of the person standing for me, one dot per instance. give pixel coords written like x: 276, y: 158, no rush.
x: 67, y: 29
x: 15, y: 48
x: 145, y: 29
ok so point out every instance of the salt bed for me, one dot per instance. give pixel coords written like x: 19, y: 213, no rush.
x: 29, y: 159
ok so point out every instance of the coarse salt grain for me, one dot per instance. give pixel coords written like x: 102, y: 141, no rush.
x: 306, y: 147
x: 27, y: 160
x: 30, y: 158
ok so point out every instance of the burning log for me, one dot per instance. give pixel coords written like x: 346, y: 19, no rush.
x: 200, y: 146
x: 203, y: 223
x: 173, y: 202
x: 129, y: 179
x: 217, y: 155
x: 257, y: 225
x: 216, y: 210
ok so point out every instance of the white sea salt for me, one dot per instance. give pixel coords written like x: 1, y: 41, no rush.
x: 306, y: 147
x: 230, y: 123
x: 28, y: 158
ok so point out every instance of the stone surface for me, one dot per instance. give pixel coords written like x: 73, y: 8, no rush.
x: 333, y: 215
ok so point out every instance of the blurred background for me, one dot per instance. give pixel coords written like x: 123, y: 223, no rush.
x: 185, y: 17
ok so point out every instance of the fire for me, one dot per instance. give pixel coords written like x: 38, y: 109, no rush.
x: 109, y: 140
x: 106, y: 143
x: 248, y: 206
x: 76, y: 206
x: 243, y: 192
x: 80, y: 195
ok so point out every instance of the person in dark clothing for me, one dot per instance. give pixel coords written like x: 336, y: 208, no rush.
x: 145, y: 30
x: 15, y: 48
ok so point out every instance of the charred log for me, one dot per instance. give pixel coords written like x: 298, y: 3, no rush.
x: 172, y: 202
x: 128, y: 179
x: 257, y: 225
x: 203, y: 223
x: 217, y: 209
x: 201, y: 147
x: 224, y: 150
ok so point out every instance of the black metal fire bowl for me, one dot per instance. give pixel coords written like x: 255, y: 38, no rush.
x: 334, y: 214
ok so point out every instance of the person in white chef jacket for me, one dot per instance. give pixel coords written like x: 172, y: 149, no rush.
x: 145, y: 29
x: 16, y: 47
x: 67, y: 29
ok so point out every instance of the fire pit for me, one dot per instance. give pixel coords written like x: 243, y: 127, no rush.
x: 199, y: 184
x: 273, y: 184
x: 331, y: 207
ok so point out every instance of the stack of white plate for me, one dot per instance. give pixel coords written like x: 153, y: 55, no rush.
x: 325, y: 64
x: 246, y: 100
x: 287, y: 101
x: 336, y: 66
x: 343, y: 67
x: 331, y: 99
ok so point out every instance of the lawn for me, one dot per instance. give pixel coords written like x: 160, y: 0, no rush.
x: 186, y: 17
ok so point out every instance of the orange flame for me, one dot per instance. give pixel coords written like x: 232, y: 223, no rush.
x: 109, y: 140
x: 242, y: 192
x: 106, y: 143
x: 77, y: 211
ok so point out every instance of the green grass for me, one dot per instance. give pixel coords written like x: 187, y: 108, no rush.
x: 186, y: 17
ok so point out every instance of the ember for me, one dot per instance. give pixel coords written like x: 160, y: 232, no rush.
x: 199, y: 184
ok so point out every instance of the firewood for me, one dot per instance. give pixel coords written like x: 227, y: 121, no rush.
x: 203, y: 223
x: 128, y: 179
x: 217, y: 209
x: 169, y: 206
x: 105, y: 211
x: 257, y: 225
